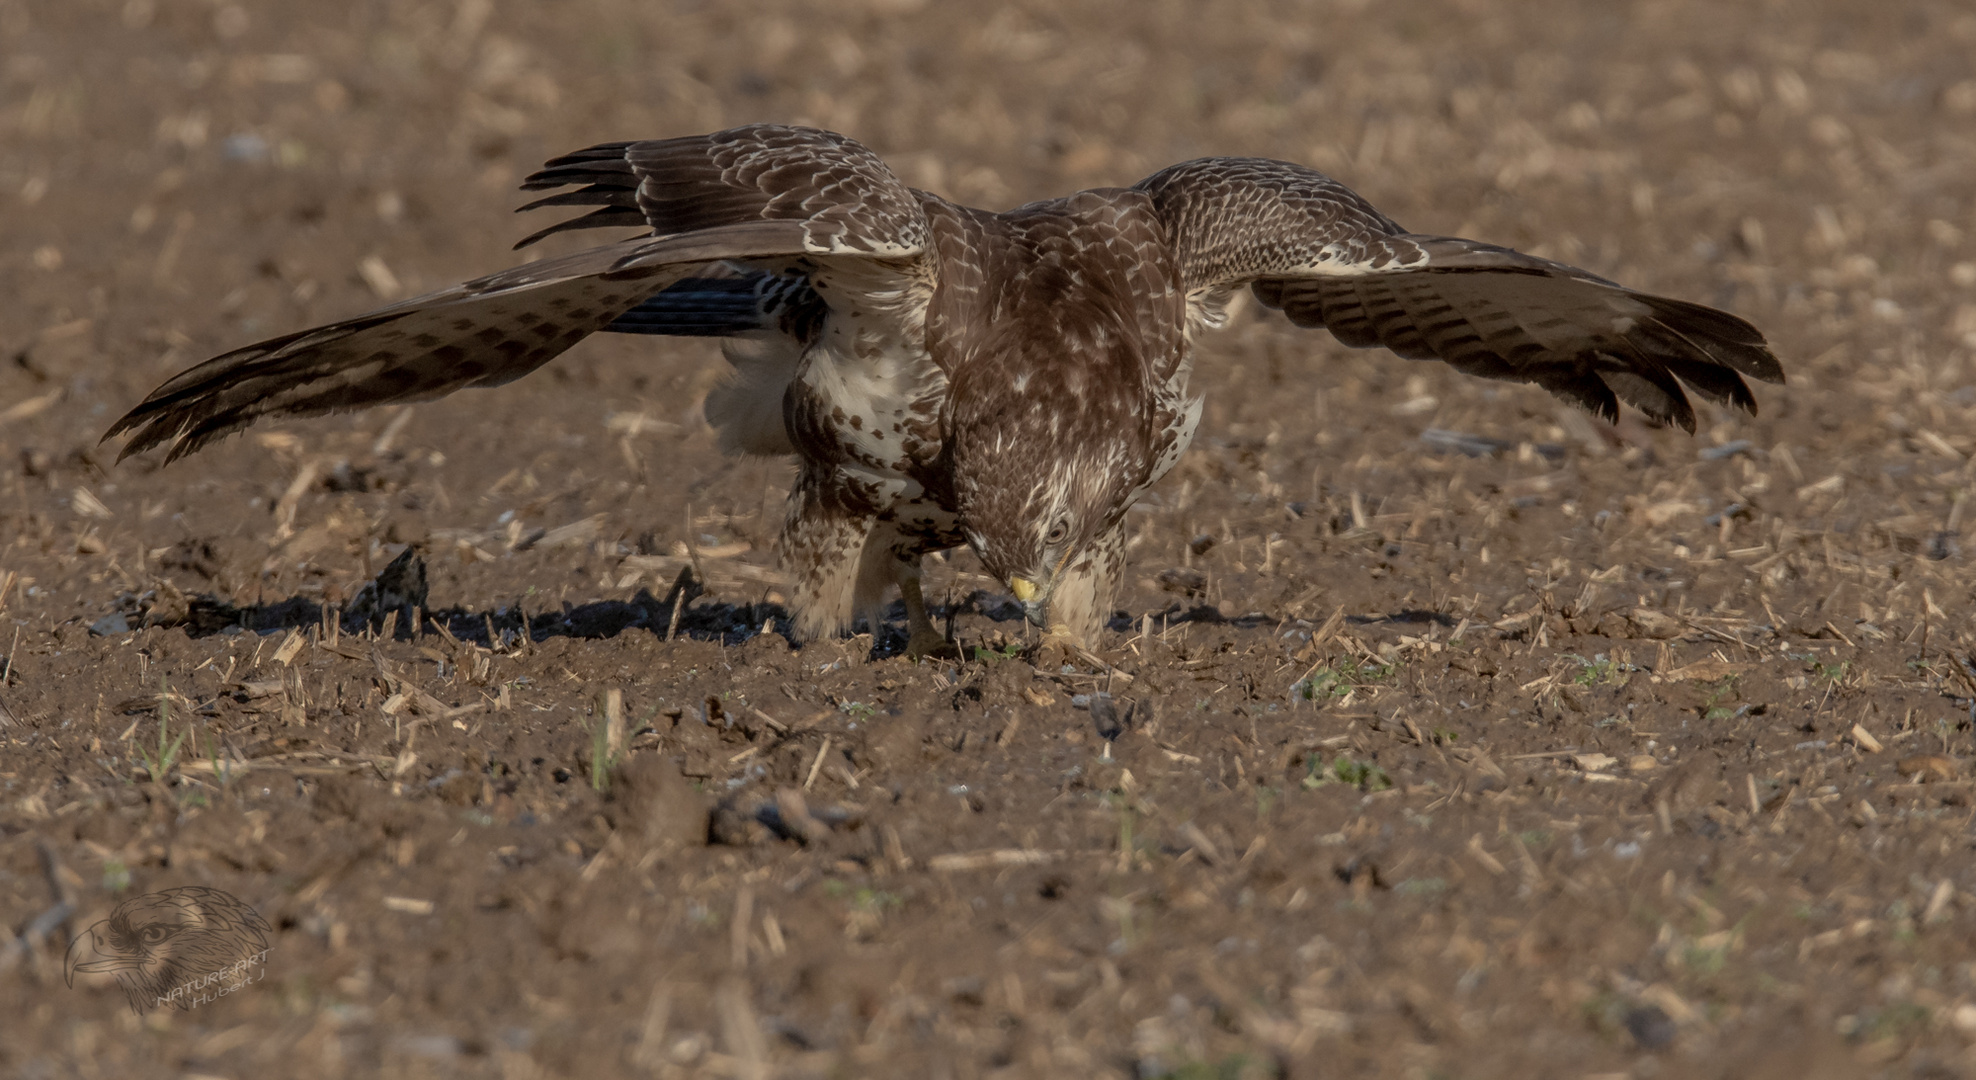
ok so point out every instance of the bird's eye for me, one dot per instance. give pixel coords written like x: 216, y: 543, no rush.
x: 1057, y: 533
x: 154, y: 934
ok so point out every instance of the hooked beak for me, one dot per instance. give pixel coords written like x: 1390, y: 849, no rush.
x: 1035, y: 600
x: 88, y: 954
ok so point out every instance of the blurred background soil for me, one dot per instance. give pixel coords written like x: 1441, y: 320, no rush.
x: 1444, y: 732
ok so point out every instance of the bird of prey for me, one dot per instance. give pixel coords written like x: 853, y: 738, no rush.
x: 174, y: 947
x: 943, y: 375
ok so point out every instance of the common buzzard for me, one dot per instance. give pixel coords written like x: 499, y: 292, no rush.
x: 944, y: 375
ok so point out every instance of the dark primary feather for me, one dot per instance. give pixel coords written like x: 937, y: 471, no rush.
x: 1307, y: 245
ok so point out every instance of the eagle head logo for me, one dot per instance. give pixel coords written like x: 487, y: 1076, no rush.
x: 172, y: 947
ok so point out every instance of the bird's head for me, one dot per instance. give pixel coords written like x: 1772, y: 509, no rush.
x: 1030, y: 504
x: 138, y: 934
x: 1050, y: 427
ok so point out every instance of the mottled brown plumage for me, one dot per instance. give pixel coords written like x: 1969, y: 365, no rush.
x: 1011, y: 381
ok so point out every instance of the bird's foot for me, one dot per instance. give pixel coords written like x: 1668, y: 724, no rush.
x: 929, y: 644
x: 1059, y: 647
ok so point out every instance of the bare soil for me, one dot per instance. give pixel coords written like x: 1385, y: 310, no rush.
x: 1552, y: 749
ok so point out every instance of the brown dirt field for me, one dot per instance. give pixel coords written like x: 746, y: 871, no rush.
x: 1600, y: 752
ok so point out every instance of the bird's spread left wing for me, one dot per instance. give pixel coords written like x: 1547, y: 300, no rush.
x: 484, y: 332
x: 1306, y: 244
x: 760, y: 192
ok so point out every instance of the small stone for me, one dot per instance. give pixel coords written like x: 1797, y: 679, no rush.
x: 113, y: 623
x: 1107, y: 717
x: 736, y: 824
x: 1651, y: 1027
x: 1648, y: 623
x: 1183, y: 581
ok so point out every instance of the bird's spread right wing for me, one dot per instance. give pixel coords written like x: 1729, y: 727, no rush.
x: 1306, y: 244
x: 759, y: 192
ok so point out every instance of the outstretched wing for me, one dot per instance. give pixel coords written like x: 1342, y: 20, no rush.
x: 752, y: 193
x: 846, y: 198
x: 1308, y: 245
x: 485, y: 332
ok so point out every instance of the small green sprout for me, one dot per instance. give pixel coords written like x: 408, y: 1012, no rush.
x: 167, y: 756
x: 1364, y: 775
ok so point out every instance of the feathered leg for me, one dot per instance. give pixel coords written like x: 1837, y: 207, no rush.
x: 925, y: 641
x: 824, y: 543
x: 892, y: 557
